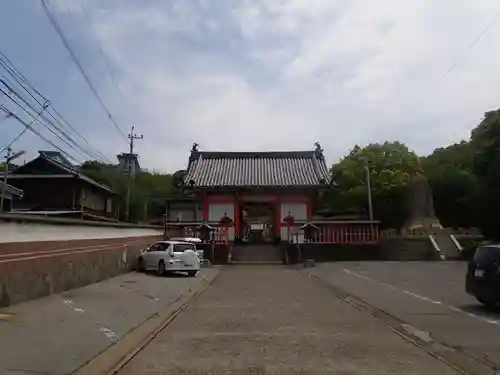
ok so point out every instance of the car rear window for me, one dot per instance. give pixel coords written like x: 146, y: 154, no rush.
x: 181, y: 247
x: 487, y: 254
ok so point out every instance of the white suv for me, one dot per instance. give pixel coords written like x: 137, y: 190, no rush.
x: 170, y: 256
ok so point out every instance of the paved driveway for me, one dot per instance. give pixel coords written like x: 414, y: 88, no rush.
x: 428, y: 297
x: 58, y: 334
x: 274, y: 320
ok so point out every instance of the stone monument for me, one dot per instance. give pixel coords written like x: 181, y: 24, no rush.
x: 422, y: 217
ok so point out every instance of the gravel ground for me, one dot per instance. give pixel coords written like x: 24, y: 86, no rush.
x: 274, y: 320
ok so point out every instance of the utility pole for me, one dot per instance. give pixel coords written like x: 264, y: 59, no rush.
x: 369, y: 192
x: 8, y: 158
x: 132, y: 137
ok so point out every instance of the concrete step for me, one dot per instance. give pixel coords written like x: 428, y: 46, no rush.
x: 446, y: 247
x: 256, y: 253
x: 256, y: 262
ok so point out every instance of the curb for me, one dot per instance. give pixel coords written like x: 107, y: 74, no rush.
x: 117, y: 356
x: 457, y: 360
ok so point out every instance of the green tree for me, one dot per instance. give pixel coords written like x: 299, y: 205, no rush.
x: 485, y: 139
x: 391, y: 166
x: 455, y: 187
x: 148, y: 189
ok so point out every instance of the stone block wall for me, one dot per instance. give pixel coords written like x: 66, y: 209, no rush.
x: 408, y: 248
x: 330, y: 252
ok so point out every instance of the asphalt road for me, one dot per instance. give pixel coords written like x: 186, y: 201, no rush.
x: 277, y: 320
x: 428, y: 298
x: 58, y: 334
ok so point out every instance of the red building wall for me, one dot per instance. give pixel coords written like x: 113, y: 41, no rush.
x: 276, y: 198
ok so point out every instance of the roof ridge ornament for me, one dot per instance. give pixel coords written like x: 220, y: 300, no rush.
x: 195, y: 147
x: 318, y: 151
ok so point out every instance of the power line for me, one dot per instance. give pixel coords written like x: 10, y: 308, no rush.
x: 101, y: 51
x: 78, y: 64
x: 13, y: 71
x: 13, y: 115
x: 29, y: 88
x: 30, y: 114
x: 24, y: 130
x: 474, y: 42
x: 64, y: 138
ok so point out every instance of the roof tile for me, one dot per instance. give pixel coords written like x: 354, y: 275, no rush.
x: 257, y: 169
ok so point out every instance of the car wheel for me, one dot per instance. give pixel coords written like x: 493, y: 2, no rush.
x: 140, y: 265
x: 487, y: 301
x: 161, y: 268
x: 192, y: 273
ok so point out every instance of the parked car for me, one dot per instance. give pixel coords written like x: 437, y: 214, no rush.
x: 193, y: 240
x: 483, y: 274
x: 170, y: 256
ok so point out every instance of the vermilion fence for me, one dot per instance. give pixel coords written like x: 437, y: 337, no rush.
x: 219, y: 235
x: 324, y: 232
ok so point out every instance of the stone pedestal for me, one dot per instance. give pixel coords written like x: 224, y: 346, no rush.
x: 422, y: 218
x: 422, y: 225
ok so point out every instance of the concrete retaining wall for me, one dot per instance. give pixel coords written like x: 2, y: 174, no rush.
x: 25, y: 232
x: 418, y: 248
x: 38, y: 258
x: 53, y: 269
x: 408, y: 248
x: 329, y: 252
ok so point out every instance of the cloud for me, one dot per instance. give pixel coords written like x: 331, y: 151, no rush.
x: 261, y: 75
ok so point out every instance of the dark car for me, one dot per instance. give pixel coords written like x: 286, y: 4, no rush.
x: 483, y: 274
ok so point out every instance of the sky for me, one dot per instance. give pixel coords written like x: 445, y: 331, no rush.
x: 241, y: 75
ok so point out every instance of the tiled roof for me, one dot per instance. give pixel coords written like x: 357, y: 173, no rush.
x: 257, y: 169
x: 58, y: 157
x: 60, y: 161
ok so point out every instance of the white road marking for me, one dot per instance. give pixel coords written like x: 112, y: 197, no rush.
x: 72, y: 305
x: 105, y: 330
x: 424, y: 298
x: 108, y: 333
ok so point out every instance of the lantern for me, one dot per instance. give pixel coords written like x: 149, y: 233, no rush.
x: 289, y: 219
x: 226, y: 221
x: 309, y: 230
x: 205, y: 231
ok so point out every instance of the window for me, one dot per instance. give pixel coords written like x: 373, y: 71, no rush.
x: 158, y: 247
x: 181, y: 247
x: 153, y: 248
x: 487, y: 254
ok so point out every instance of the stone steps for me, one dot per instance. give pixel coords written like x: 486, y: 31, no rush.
x: 256, y: 254
x: 447, y: 248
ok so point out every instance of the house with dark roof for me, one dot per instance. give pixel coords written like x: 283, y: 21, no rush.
x: 52, y: 185
x: 256, y: 190
x: 10, y: 196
